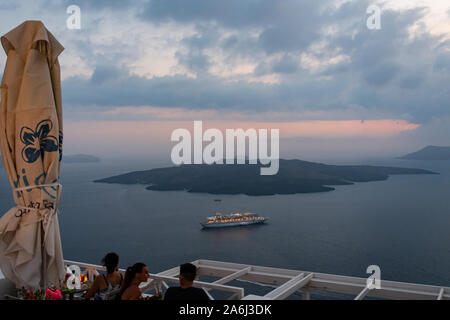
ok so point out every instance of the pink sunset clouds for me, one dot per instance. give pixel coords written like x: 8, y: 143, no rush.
x: 139, y: 136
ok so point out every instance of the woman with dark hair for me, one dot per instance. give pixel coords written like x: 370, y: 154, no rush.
x: 108, y: 282
x: 134, y: 276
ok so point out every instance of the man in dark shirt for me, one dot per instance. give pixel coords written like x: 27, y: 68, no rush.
x: 186, y: 292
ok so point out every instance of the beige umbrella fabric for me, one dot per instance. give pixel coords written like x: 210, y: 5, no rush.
x: 31, y: 148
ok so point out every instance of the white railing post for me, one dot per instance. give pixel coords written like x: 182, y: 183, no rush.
x: 441, y: 294
x: 306, y: 294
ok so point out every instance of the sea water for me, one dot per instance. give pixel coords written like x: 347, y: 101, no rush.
x: 402, y: 224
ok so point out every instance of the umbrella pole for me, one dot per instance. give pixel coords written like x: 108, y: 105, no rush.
x: 44, y: 259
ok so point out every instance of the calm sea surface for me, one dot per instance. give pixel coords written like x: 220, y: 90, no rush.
x: 401, y: 225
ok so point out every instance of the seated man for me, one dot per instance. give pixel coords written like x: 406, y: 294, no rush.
x: 186, y: 291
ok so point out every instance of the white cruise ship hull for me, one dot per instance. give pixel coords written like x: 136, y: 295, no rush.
x: 232, y: 224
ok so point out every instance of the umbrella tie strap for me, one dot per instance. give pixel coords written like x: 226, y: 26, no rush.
x: 56, y: 184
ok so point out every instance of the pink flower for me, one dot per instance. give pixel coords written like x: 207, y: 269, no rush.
x: 57, y: 295
x: 53, y: 295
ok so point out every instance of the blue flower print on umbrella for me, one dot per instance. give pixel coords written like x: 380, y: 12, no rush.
x: 60, y: 145
x: 38, y: 141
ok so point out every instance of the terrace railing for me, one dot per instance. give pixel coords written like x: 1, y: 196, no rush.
x: 285, y: 281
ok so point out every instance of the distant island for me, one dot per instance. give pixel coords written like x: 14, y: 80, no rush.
x: 294, y: 176
x: 429, y: 153
x: 79, y: 158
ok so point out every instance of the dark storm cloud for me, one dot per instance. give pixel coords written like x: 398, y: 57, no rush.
x: 286, y: 25
x: 112, y: 86
x: 230, y: 13
x: 170, y: 91
x: 285, y: 65
x: 385, y: 70
x: 102, y: 4
x: 442, y: 62
x: 193, y: 60
x: 191, y: 54
x: 298, y: 25
x: 9, y: 6
x: 381, y: 73
x: 378, y: 54
x: 411, y: 81
x: 105, y: 73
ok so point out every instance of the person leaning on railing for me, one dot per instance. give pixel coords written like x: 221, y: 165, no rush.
x: 106, y: 284
x: 186, y: 292
x: 134, y: 276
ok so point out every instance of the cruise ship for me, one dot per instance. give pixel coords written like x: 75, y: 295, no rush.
x: 232, y: 220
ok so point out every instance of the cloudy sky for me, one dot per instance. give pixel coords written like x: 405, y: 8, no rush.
x: 138, y: 69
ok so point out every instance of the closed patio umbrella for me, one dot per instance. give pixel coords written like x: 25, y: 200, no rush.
x: 31, y: 148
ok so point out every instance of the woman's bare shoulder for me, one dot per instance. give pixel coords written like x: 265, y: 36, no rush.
x: 132, y: 293
x: 99, y: 281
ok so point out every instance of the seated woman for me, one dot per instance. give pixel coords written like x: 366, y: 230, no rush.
x: 134, y: 276
x: 104, y: 284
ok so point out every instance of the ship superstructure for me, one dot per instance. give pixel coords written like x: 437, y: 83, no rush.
x: 232, y: 220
